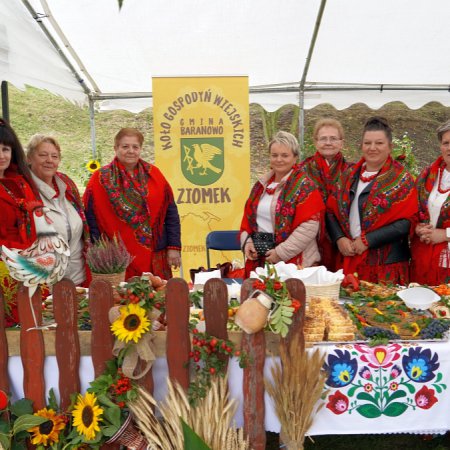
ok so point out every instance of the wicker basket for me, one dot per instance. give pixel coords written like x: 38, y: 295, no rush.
x: 113, y: 278
x: 323, y: 290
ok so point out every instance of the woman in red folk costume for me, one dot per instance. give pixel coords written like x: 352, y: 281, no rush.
x: 325, y: 168
x: 131, y: 197
x: 285, y: 206
x: 430, y: 244
x: 371, y: 216
x: 16, y: 224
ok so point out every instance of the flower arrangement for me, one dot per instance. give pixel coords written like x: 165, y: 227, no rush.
x: 90, y: 421
x: 208, y: 359
x: 17, y: 418
x: 142, y: 310
x: 99, y: 414
x: 108, y: 256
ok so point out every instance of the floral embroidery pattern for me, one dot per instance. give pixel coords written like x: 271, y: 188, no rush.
x: 385, y: 383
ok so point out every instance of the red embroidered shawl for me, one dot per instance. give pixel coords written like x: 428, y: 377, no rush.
x: 15, y: 193
x: 425, y: 257
x: 326, y: 176
x: 299, y: 201
x: 392, y: 197
x: 134, y: 206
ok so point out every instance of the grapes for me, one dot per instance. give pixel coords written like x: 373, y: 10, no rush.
x: 85, y: 326
x: 377, y: 332
x: 435, y: 329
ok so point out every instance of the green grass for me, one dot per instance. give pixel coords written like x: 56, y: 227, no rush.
x: 36, y: 111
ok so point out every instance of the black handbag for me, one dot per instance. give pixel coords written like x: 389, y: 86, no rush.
x: 263, y: 242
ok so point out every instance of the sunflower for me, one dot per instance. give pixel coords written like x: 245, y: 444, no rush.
x: 132, y: 323
x: 93, y: 165
x: 86, y: 415
x: 47, y: 433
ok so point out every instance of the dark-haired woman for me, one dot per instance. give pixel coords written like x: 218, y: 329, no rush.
x: 16, y: 225
x: 325, y: 168
x: 430, y: 245
x: 372, y: 214
x: 131, y: 197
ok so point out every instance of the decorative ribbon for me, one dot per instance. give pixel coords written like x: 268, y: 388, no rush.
x: 139, y: 356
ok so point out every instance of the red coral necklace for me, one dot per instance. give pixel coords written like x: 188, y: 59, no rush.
x: 442, y: 191
x: 271, y: 190
x: 369, y: 178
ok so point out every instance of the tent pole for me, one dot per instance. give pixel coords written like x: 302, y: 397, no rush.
x: 47, y: 33
x: 301, y: 88
x: 92, y: 122
x: 5, y: 101
x: 301, y: 120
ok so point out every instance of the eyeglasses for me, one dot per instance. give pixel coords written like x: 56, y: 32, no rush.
x: 331, y: 140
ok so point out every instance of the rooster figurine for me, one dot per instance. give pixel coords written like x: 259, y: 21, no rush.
x: 45, y: 261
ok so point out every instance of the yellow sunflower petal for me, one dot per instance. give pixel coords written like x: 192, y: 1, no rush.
x: 47, y: 433
x: 87, y: 415
x: 132, y: 323
x: 93, y: 165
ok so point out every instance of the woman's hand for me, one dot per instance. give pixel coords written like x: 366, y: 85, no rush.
x: 345, y: 246
x: 249, y: 250
x: 272, y: 256
x: 359, y: 246
x: 431, y: 235
x: 421, y: 227
x: 173, y: 258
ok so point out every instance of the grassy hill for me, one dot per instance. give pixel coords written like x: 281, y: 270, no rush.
x: 37, y: 111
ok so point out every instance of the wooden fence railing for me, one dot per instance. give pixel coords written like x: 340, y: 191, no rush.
x: 177, y: 342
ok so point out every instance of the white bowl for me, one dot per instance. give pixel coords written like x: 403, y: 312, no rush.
x: 418, y: 297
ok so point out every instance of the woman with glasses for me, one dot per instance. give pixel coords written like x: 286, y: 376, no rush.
x: 16, y: 224
x: 370, y: 216
x: 325, y: 168
x: 430, y: 244
x: 284, y: 209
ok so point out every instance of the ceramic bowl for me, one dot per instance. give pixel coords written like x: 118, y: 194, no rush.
x: 418, y: 297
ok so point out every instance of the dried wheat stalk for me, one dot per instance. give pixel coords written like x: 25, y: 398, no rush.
x: 297, y: 385
x: 210, y: 418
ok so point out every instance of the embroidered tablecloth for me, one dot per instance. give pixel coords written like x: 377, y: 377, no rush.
x: 398, y: 388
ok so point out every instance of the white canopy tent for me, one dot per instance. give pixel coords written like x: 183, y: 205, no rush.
x: 365, y: 51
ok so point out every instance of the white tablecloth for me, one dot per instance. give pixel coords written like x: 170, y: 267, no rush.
x: 400, y: 388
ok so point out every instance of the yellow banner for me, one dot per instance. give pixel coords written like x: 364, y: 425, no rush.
x: 202, y: 146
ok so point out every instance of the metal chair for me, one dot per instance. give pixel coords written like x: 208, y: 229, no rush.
x: 222, y: 240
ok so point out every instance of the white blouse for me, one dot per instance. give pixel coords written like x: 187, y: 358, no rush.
x: 355, y: 219
x: 67, y: 223
x: 263, y: 213
x: 436, y: 199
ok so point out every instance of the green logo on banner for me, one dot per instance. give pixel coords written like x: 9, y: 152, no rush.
x: 202, y: 160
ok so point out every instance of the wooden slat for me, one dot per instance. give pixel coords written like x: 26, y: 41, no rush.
x: 253, y: 382
x: 102, y: 340
x: 67, y: 344
x: 297, y: 290
x: 215, y: 308
x: 178, y: 340
x: 32, y: 347
x: 4, y: 378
